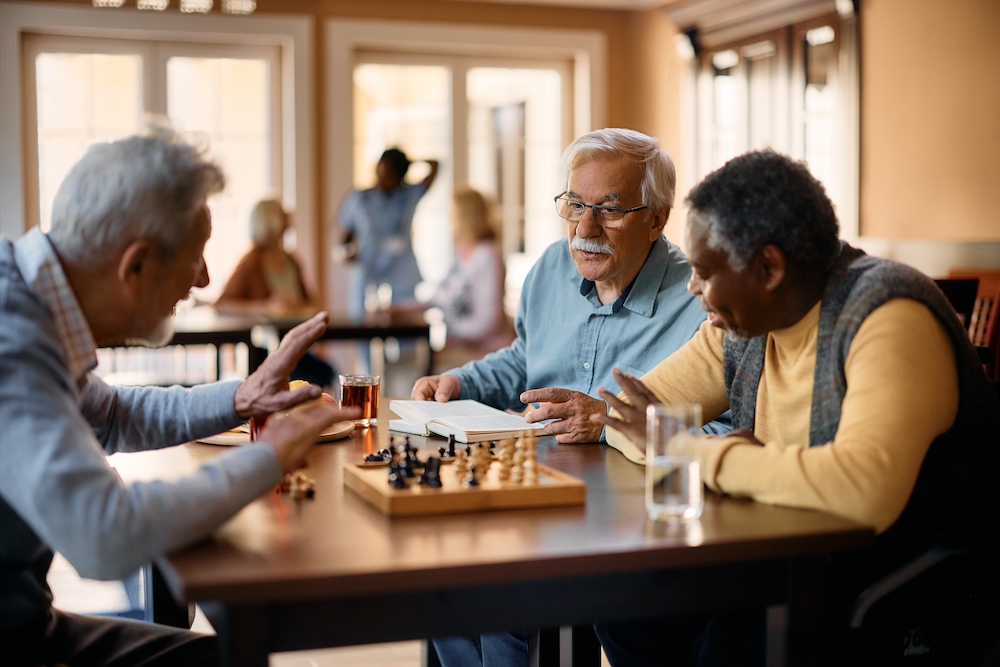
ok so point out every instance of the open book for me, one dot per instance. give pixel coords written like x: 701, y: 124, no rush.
x: 468, y: 421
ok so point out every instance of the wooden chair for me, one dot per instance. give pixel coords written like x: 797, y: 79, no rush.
x: 985, y: 303
x: 961, y: 294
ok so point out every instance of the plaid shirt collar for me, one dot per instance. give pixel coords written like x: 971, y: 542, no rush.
x: 40, y: 267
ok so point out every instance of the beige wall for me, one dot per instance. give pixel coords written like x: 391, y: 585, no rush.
x: 930, y: 119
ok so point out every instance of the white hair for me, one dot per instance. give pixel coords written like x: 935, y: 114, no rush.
x: 659, y: 176
x: 141, y: 187
x: 267, y: 220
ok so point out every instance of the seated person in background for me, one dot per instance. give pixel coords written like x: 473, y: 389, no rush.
x: 853, y: 388
x: 612, y: 293
x: 471, y: 295
x: 129, y: 226
x: 268, y: 281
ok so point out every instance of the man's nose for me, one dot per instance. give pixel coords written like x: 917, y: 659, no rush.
x: 694, y: 285
x: 587, y: 227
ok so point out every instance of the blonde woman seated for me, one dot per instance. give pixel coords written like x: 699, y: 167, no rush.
x: 471, y: 295
x: 268, y: 281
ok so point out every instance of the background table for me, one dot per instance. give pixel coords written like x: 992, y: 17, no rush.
x: 332, y: 571
x: 262, y: 334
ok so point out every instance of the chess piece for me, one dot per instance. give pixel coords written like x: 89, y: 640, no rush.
x: 396, y: 479
x: 460, y: 462
x: 506, y: 457
x: 471, y: 480
x: 442, y: 452
x: 517, y: 469
x: 432, y: 473
x: 451, y: 445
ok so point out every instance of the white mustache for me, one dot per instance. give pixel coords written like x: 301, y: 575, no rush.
x: 589, y: 245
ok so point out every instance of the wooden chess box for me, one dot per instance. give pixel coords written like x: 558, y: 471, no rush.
x: 553, y: 489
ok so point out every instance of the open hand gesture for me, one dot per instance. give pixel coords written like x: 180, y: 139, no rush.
x: 633, y: 414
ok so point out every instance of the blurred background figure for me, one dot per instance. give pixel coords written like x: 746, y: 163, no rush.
x: 471, y: 295
x: 375, y: 226
x: 268, y: 281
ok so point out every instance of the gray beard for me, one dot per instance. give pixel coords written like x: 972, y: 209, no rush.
x: 157, y: 338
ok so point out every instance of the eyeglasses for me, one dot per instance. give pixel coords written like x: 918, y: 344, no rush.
x: 611, y: 217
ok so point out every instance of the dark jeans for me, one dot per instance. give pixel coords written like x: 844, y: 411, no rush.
x: 699, y: 640
x: 502, y: 649
x: 90, y: 641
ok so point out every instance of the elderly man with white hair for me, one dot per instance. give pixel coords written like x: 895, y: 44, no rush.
x: 129, y: 227
x: 613, y: 294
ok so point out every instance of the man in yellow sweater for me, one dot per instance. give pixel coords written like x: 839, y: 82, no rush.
x: 853, y: 388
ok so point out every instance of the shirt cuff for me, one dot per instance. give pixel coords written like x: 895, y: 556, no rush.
x: 710, y: 451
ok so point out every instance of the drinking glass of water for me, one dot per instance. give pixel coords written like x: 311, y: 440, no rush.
x: 673, y: 476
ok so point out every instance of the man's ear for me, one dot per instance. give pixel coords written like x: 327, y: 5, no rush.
x: 772, y: 266
x: 658, y: 223
x: 135, y: 265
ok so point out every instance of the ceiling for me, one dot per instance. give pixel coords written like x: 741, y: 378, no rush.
x: 602, y: 4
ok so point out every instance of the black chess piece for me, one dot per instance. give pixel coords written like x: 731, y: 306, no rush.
x: 396, y: 479
x: 442, y: 451
x: 374, y: 458
x: 405, y: 468
x: 432, y: 473
x: 451, y: 445
x: 471, y: 480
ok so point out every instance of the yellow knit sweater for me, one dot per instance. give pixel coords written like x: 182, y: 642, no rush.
x: 902, y: 392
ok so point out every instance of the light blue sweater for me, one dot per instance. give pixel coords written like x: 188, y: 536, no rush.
x: 57, y: 491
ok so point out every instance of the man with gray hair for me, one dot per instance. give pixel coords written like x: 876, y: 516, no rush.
x: 614, y: 294
x: 129, y: 227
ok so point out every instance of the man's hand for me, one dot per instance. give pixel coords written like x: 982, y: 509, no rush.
x: 266, y: 390
x: 440, y: 388
x: 572, y: 409
x: 633, y: 414
x: 292, y: 435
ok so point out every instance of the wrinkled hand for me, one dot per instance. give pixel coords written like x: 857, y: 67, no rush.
x: 266, y: 390
x: 293, y: 434
x: 571, y: 409
x: 440, y: 388
x: 633, y: 414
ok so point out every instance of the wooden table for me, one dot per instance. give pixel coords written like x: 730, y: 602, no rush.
x: 286, y: 575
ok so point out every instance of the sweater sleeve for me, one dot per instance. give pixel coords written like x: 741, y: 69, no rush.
x: 692, y: 374
x: 56, y: 478
x: 902, y: 392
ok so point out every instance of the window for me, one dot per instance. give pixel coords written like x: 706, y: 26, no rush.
x: 485, y: 117
x: 792, y: 88
x: 507, y: 147
x: 225, y: 98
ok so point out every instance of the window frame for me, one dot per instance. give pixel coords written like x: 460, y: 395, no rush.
x: 293, y: 36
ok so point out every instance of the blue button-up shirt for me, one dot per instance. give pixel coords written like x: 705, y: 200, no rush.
x: 567, y: 338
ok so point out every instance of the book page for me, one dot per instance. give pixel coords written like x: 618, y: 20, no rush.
x: 433, y: 410
x: 503, y: 422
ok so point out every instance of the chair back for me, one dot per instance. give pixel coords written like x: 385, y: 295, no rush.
x: 989, y: 285
x: 961, y: 294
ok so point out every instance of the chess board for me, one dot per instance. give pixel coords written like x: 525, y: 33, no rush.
x: 553, y: 489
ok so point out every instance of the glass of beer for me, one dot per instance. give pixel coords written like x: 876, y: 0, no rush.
x: 361, y: 391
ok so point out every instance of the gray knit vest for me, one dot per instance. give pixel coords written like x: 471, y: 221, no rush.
x: 858, y: 284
